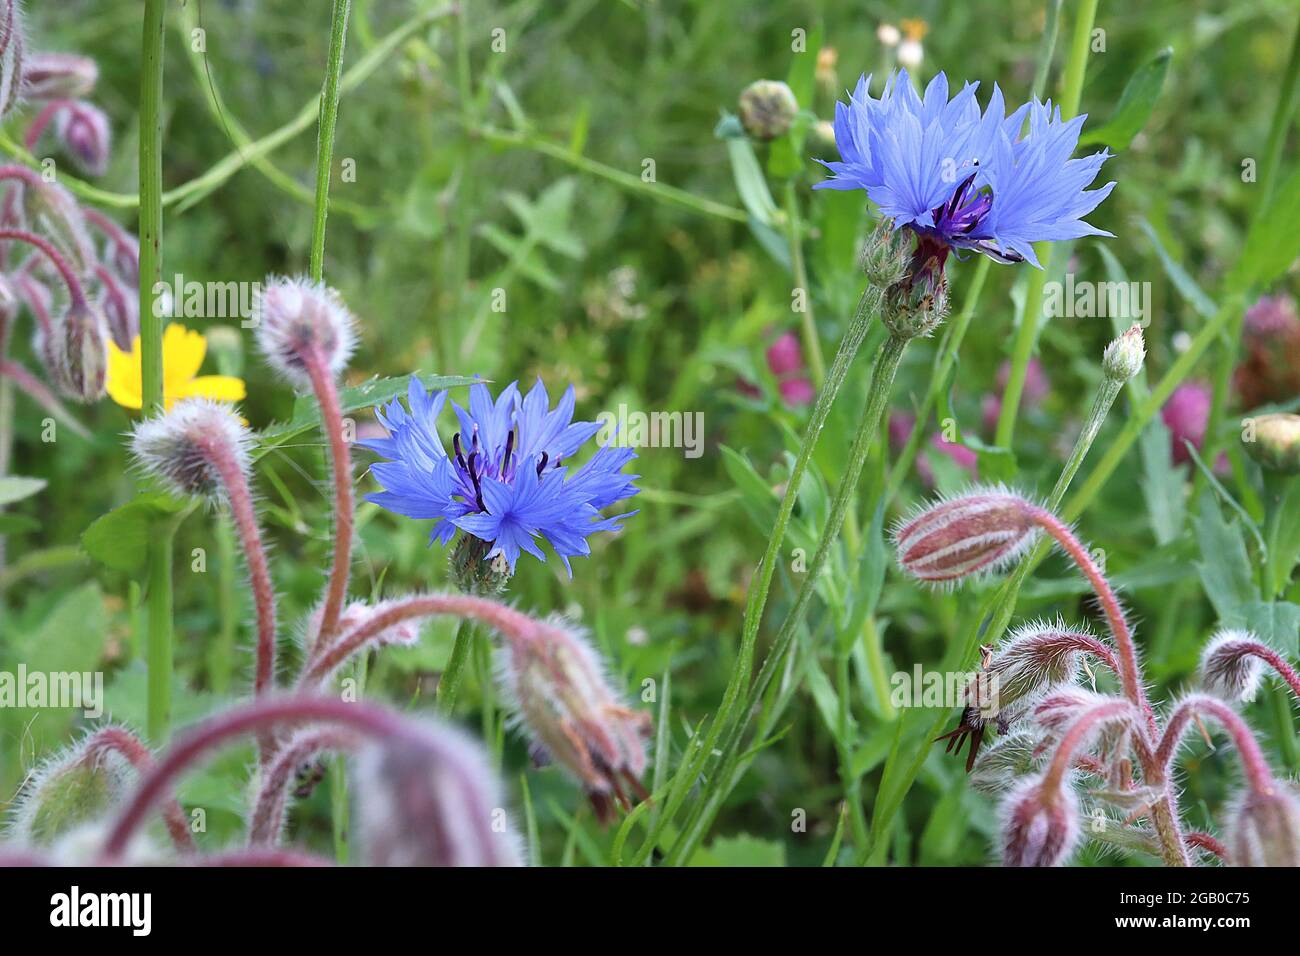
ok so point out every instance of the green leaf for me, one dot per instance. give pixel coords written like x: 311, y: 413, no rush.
x: 758, y: 499
x: 742, y: 850
x: 1283, y: 531
x: 120, y: 539
x: 306, y: 413
x: 1180, y: 277
x: 1224, y: 566
x: 14, y: 488
x: 751, y: 184
x: 1162, y: 483
x: 70, y: 638
x: 1135, y: 104
x: 17, y: 524
x: 1276, y: 622
x: 1273, y: 242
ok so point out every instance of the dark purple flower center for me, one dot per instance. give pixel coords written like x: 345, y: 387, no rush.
x: 472, y: 465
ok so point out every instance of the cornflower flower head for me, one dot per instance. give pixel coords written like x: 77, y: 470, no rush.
x: 506, y: 482
x: 959, y: 179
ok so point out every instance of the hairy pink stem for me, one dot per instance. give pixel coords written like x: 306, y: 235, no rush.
x: 38, y: 392
x: 31, y: 291
x: 113, y: 289
x: 108, y: 227
x: 261, y: 715
x: 121, y: 741
x: 511, y: 623
x: 75, y: 288
x: 1207, y: 842
x: 1129, y: 674
x: 1276, y: 661
x: 268, y: 808
x: 1252, y: 757
x: 250, y: 535
x: 344, y: 506
x: 43, y: 120
x: 1077, y: 735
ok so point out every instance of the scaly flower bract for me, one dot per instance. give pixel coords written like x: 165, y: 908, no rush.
x: 506, y: 481
x: 960, y: 179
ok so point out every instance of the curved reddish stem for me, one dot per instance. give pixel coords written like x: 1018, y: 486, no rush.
x: 1274, y: 660
x: 43, y: 120
x: 75, y: 289
x: 31, y: 291
x: 344, y: 505
x: 40, y: 393
x: 268, y: 808
x: 1252, y: 757
x: 121, y: 741
x: 259, y: 716
x: 1078, y: 734
x: 1206, y: 842
x: 514, y: 625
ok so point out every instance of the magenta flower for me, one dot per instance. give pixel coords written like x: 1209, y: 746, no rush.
x: 1186, y: 415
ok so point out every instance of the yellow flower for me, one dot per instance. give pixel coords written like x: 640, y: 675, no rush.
x: 183, y: 352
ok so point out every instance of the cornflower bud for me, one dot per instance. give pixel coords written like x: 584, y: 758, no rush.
x: 976, y: 532
x: 78, y: 350
x: 767, y: 109
x: 562, y: 699
x: 886, y: 254
x: 56, y: 76
x: 1277, y: 442
x: 1265, y: 828
x: 297, y: 320
x: 1040, y: 824
x: 435, y: 803
x: 1124, y: 356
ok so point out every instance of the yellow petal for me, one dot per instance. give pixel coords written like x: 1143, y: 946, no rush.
x: 124, y: 373
x: 222, y: 388
x: 183, y: 352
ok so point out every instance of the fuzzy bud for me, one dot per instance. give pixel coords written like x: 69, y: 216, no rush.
x: 1040, y: 827
x: 59, y: 76
x: 405, y: 632
x: 1124, y: 356
x: 767, y: 109
x: 11, y: 57
x: 52, y: 211
x: 1002, y: 764
x: 83, y: 785
x: 432, y: 802
x: 1277, y: 442
x: 82, y: 131
x: 78, y: 351
x: 1265, y: 829
x: 1230, y: 668
x: 190, y: 447
x: 979, y: 531
x: 563, y: 699
x: 294, y: 317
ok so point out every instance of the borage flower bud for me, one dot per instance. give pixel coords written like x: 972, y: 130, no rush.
x: 1265, y: 829
x: 82, y: 130
x: 296, y: 319
x: 1124, y: 356
x: 194, y: 449
x: 432, y: 803
x: 57, y: 76
x: 1276, y: 444
x: 79, y: 786
x: 979, y: 531
x: 11, y: 56
x: 1040, y: 825
x: 1230, y: 668
x: 405, y: 632
x: 767, y: 109
x: 52, y: 211
x: 1001, y: 765
x: 562, y: 698
x: 78, y: 350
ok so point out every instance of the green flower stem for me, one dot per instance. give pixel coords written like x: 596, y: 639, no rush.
x: 329, y: 117
x: 945, y: 358
x: 702, y: 746
x: 882, y: 381
x: 1031, y: 316
x: 811, y: 342
x: 159, y: 558
x: 449, y: 683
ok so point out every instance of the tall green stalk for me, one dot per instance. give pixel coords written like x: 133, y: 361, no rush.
x: 159, y: 558
x: 1031, y: 316
x: 329, y: 117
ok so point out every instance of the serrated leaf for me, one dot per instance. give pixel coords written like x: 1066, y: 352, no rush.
x: 306, y: 413
x: 1225, y: 565
x: 1135, y: 104
x: 120, y: 539
x: 16, y: 488
x: 1276, y: 622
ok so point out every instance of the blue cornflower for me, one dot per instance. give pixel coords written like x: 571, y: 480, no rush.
x: 506, y: 482
x: 960, y: 179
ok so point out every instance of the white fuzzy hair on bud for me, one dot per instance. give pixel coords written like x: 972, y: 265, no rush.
x: 978, y: 531
x: 405, y: 632
x: 1264, y: 828
x: 1040, y: 827
x: 1229, y: 667
x: 294, y: 316
x: 75, y: 786
x: 432, y: 803
x: 186, y: 447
